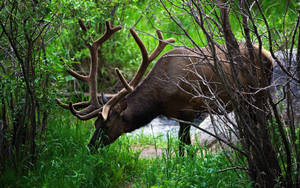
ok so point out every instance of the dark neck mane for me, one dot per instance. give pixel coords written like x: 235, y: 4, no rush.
x: 141, y: 109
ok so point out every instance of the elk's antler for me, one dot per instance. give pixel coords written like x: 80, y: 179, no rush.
x: 128, y: 87
x: 90, y: 108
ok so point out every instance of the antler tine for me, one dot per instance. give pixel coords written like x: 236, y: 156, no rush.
x: 88, y: 116
x: 146, y: 58
x: 92, y: 107
x: 140, y: 44
x: 108, y: 33
x: 123, y: 80
x: 76, y: 75
x: 76, y: 105
x: 84, y: 111
x: 63, y: 105
x: 141, y: 70
x: 161, y: 45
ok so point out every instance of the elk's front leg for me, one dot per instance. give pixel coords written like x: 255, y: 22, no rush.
x: 184, y: 137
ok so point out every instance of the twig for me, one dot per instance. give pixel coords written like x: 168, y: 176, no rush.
x: 232, y: 168
x: 211, y: 134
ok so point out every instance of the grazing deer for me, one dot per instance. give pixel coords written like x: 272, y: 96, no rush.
x: 165, y: 91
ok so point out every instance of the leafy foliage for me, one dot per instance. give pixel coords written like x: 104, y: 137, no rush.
x: 35, y: 36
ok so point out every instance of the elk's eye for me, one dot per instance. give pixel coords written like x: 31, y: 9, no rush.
x: 123, y: 118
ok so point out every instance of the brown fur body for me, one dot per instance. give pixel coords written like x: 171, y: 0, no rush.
x: 165, y: 91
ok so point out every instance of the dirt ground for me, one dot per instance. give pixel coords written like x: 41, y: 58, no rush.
x: 149, y: 152
x: 152, y: 152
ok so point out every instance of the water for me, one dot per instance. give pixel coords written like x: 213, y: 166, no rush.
x: 162, y: 127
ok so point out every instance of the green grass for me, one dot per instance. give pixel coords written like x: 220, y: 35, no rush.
x: 64, y: 161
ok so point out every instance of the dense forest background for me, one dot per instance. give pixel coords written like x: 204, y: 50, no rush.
x: 43, y: 145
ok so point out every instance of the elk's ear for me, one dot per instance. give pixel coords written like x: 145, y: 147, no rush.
x: 103, y: 100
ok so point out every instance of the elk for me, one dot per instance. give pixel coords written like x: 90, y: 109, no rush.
x: 164, y: 91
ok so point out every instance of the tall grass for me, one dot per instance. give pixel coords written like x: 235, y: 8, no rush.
x: 65, y: 161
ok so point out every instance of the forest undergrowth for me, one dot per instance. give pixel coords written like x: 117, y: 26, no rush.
x: 65, y: 161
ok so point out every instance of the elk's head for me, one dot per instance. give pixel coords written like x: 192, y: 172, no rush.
x: 108, y: 127
x: 110, y: 123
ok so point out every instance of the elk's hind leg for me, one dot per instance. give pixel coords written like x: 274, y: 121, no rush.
x: 184, y: 137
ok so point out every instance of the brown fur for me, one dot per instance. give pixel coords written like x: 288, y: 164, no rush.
x: 164, y: 93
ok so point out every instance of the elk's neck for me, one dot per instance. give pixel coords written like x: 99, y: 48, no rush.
x: 142, y: 108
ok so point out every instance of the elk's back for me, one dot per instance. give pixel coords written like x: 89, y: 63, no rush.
x: 178, y: 81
